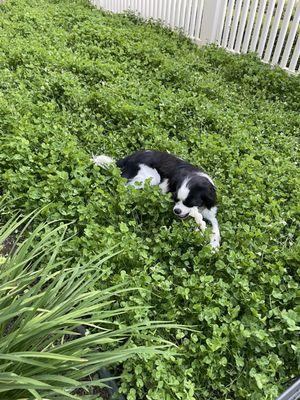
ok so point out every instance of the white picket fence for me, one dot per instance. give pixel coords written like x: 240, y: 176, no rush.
x: 271, y: 28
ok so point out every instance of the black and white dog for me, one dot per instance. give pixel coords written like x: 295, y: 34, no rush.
x: 193, y: 191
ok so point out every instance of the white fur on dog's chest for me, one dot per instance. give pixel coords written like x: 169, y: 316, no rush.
x: 145, y: 173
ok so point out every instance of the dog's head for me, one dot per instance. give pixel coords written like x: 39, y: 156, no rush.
x: 195, y: 191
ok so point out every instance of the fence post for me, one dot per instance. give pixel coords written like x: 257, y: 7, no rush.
x: 212, y: 20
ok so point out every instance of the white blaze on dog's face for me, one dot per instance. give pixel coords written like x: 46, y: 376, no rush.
x: 181, y: 210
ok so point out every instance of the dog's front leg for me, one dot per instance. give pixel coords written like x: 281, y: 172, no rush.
x: 210, y: 215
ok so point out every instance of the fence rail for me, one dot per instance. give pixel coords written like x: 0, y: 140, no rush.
x: 271, y: 28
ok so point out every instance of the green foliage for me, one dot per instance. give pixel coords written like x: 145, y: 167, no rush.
x: 44, y: 300
x: 75, y: 81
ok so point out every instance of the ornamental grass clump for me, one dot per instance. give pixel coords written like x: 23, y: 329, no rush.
x: 56, y: 330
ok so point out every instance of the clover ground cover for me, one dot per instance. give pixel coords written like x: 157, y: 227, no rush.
x: 75, y: 81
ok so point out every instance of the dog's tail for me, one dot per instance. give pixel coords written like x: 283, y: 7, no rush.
x: 102, y: 161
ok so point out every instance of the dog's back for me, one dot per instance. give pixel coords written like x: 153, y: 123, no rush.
x: 167, y: 165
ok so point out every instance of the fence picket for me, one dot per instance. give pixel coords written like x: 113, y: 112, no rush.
x: 295, y: 56
x: 265, y: 29
x: 193, y: 19
x: 258, y: 24
x: 291, y: 38
x: 154, y: 3
x: 172, y: 7
x: 220, y: 26
x: 242, y: 24
x: 187, y: 16
x: 228, y: 23
x: 177, y: 14
x: 199, y: 19
x: 152, y: 10
x: 283, y: 31
x: 235, y: 22
x: 160, y: 9
x: 157, y: 15
x: 142, y: 10
x: 182, y: 13
x: 148, y: 9
x: 274, y: 30
x: 250, y: 25
x: 164, y: 11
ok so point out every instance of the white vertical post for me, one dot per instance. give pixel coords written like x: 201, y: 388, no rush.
x: 156, y: 2
x: 274, y: 30
x: 177, y: 13
x: 158, y: 8
x: 242, y: 24
x: 199, y: 20
x: 295, y: 56
x: 235, y: 22
x: 249, y: 26
x: 193, y: 18
x: 220, y: 24
x: 148, y: 9
x: 266, y: 26
x: 141, y: 8
x: 259, y: 19
x: 152, y: 8
x: 212, y: 14
x: 283, y: 30
x: 173, y: 4
x: 182, y: 13
x: 152, y: 15
x: 291, y: 38
x: 157, y: 16
x: 161, y: 9
x: 227, y: 23
x: 187, y: 16
x: 166, y: 5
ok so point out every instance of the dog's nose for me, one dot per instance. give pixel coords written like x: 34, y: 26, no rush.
x: 177, y: 211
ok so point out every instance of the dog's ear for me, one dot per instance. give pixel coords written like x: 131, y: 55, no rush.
x: 209, y: 196
x: 174, y: 195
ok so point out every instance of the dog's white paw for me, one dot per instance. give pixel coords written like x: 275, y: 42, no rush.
x: 201, y: 227
x: 215, y: 244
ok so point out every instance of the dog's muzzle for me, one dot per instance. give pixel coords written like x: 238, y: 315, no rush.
x: 180, y: 214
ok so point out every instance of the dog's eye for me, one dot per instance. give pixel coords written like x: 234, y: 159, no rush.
x: 189, y: 203
x: 193, y: 203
